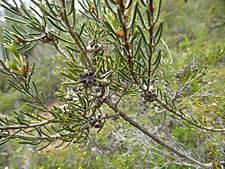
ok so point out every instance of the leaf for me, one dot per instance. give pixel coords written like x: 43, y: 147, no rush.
x: 60, y: 38
x: 16, y: 54
x: 157, y: 62
x: 128, y: 4
x: 54, y: 24
x: 133, y: 16
x: 12, y: 65
x: 111, y: 19
x: 15, y: 20
x: 13, y: 49
x: 110, y: 7
x: 110, y: 27
x: 158, y: 10
x: 29, y: 47
x: 158, y: 33
x: 13, y: 10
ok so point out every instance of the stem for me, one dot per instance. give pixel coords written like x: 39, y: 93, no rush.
x: 170, y: 109
x: 182, y: 87
x: 78, y: 43
x: 11, y: 6
x: 4, y: 67
x: 42, y: 123
x: 154, y: 137
x: 33, y: 138
x: 74, y: 36
x: 60, y: 50
x: 127, y: 45
x: 151, y: 37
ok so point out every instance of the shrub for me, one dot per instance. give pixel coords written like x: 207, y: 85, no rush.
x: 116, y: 53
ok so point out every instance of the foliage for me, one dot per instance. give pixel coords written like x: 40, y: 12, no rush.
x: 111, y: 60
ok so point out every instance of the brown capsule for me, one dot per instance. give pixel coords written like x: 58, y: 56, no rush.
x: 126, y: 13
x: 153, y: 23
x: 148, y: 28
x: 119, y: 33
x: 92, y: 7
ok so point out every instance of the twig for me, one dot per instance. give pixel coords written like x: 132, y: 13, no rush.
x: 4, y: 67
x: 169, y: 52
x: 27, y: 137
x: 42, y: 123
x: 170, y: 109
x: 181, y: 88
x: 126, y: 44
x: 74, y: 36
x: 151, y: 38
x: 60, y: 50
x: 155, y: 137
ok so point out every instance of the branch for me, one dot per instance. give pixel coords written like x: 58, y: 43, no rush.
x: 4, y: 67
x: 27, y: 137
x: 74, y: 36
x: 78, y: 43
x: 60, y: 50
x: 11, y: 6
x: 42, y: 123
x: 189, y: 81
x: 154, y: 137
x: 126, y: 45
x: 170, y: 109
x: 151, y: 38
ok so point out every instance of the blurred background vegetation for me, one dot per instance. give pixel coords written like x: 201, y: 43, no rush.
x: 194, y: 33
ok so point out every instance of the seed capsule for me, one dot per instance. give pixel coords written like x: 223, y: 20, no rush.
x: 88, y: 49
x: 98, y: 124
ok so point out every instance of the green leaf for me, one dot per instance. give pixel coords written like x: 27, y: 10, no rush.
x: 110, y: 7
x: 142, y: 34
x: 16, y: 54
x: 13, y: 49
x: 15, y: 20
x: 158, y: 33
x: 157, y: 61
x: 111, y: 19
x: 158, y: 10
x: 128, y: 4
x: 10, y: 9
x: 133, y: 17
x: 12, y: 65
